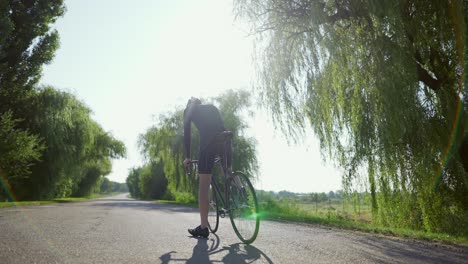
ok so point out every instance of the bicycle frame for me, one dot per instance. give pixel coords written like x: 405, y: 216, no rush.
x: 227, y: 176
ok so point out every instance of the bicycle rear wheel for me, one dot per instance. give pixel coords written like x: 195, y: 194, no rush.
x: 213, y: 211
x: 243, y: 208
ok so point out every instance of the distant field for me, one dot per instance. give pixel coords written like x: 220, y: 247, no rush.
x: 346, y: 211
x: 331, y: 210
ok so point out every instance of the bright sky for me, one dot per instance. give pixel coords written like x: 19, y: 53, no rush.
x: 129, y: 61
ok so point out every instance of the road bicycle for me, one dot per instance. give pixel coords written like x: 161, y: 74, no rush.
x: 238, y: 200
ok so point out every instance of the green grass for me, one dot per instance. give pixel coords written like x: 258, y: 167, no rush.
x: 57, y: 200
x: 332, y: 217
x: 189, y: 204
x: 11, y: 204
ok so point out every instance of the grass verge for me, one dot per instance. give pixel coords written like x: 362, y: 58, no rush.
x: 303, y: 217
x: 193, y: 205
x: 57, y: 200
x: 11, y: 204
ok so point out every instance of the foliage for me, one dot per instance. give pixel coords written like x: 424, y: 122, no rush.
x: 133, y: 182
x: 233, y: 106
x: 105, y: 186
x: 381, y: 84
x: 164, y: 144
x: 185, y: 198
x: 50, y: 147
x: 153, y: 182
x: 27, y: 42
x: 108, y: 186
x: 78, y: 151
x: 148, y: 182
x: 18, y: 150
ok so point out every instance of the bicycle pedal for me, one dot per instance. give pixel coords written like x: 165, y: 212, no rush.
x: 222, y: 214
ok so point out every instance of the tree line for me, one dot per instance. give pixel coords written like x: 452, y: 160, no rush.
x: 383, y: 85
x: 163, y: 176
x: 108, y: 186
x: 49, y: 144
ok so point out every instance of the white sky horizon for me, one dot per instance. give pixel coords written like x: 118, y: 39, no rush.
x: 131, y: 62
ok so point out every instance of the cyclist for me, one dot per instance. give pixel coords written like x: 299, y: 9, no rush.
x: 209, y: 123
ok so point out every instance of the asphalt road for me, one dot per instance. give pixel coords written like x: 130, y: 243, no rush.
x: 122, y: 230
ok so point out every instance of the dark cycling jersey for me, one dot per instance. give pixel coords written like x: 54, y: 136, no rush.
x: 208, y: 121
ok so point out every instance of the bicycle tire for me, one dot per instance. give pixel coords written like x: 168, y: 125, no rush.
x: 213, y: 209
x: 243, y: 208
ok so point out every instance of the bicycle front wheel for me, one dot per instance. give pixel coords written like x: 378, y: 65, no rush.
x: 213, y: 211
x: 243, y: 208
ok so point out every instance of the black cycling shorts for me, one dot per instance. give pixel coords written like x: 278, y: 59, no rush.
x: 207, y: 156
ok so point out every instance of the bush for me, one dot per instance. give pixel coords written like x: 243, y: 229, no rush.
x: 185, y: 197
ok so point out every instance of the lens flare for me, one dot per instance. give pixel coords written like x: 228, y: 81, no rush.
x: 457, y: 19
x: 6, y: 188
x: 450, y: 147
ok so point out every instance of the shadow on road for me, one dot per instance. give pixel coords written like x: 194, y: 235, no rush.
x: 235, y: 253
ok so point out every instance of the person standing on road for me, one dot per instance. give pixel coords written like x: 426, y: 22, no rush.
x: 209, y: 123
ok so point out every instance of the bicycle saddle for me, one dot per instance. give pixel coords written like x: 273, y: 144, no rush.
x: 223, y: 136
x: 227, y: 134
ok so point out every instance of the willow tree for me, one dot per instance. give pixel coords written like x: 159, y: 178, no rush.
x: 77, y: 150
x: 163, y: 145
x: 381, y: 84
x: 26, y: 43
x: 234, y: 108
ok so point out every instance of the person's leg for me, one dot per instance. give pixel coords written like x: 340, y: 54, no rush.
x: 205, y: 165
x: 203, y: 198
